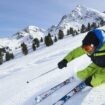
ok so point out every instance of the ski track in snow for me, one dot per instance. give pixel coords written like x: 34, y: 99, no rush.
x: 54, y: 56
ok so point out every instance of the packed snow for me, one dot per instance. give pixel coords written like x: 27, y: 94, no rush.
x: 14, y: 75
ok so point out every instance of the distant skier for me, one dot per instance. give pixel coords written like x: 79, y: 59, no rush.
x: 94, y: 46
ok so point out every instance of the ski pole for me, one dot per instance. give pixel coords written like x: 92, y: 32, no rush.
x: 42, y: 75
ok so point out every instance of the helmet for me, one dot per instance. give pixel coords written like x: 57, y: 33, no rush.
x: 90, y: 38
x: 90, y: 42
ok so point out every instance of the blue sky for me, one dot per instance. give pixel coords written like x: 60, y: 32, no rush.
x: 18, y: 14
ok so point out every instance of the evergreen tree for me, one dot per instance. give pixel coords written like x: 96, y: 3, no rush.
x: 24, y: 48
x: 83, y: 28
x: 71, y: 31
x: 68, y: 32
x: 49, y: 35
x: 48, y: 40
x: 74, y: 33
x: 55, y: 39
x: 94, y: 25
x: 7, y: 56
x: 11, y: 55
x: 60, y: 34
x: 1, y: 56
x: 41, y: 40
x: 33, y: 47
x: 36, y: 42
x: 102, y: 22
x: 88, y: 27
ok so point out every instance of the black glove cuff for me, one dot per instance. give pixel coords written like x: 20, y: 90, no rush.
x: 65, y: 61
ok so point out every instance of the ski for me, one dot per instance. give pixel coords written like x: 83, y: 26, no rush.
x: 47, y: 93
x: 66, y: 97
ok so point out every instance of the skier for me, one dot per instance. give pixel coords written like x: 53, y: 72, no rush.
x: 94, y: 46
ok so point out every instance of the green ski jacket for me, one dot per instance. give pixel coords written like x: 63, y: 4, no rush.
x: 95, y: 69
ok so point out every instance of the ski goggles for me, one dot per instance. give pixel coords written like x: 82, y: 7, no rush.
x: 88, y: 48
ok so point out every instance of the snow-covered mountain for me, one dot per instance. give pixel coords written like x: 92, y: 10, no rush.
x: 32, y: 31
x: 26, y: 35
x: 80, y: 15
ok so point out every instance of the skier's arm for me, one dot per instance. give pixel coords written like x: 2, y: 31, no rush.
x: 74, y: 54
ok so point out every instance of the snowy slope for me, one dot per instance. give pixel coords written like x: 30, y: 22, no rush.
x: 78, y: 16
x: 15, y: 73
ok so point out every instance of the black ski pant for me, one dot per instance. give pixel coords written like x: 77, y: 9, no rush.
x: 88, y: 81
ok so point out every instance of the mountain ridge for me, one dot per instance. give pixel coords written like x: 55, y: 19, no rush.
x: 78, y: 16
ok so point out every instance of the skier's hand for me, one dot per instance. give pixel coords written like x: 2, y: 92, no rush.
x: 62, y: 64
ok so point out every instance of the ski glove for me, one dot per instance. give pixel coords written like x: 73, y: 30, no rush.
x: 62, y: 64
